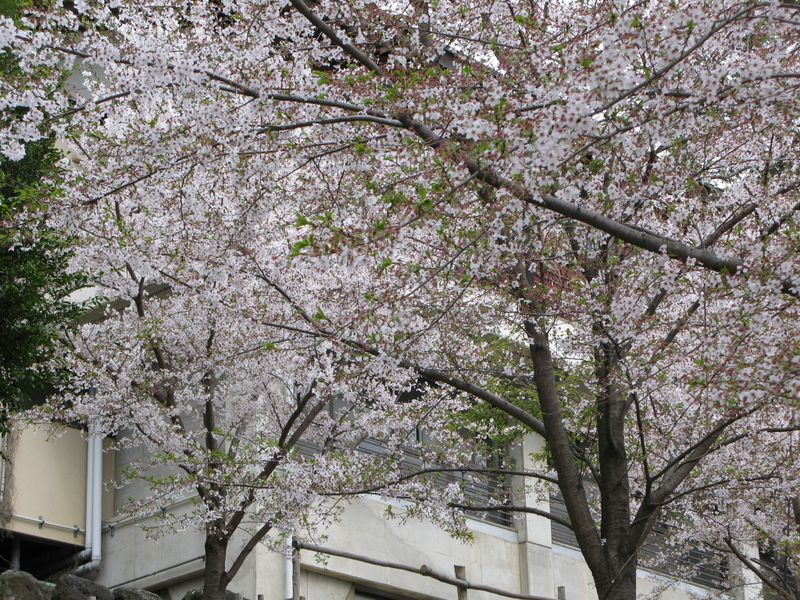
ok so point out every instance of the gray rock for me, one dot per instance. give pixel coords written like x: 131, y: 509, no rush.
x: 70, y: 587
x: 47, y: 588
x: 21, y: 586
x: 197, y: 594
x: 124, y: 593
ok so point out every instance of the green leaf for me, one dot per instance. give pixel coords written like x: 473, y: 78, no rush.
x: 323, y: 77
x: 595, y: 166
x: 385, y: 264
x: 393, y: 198
x: 298, y: 246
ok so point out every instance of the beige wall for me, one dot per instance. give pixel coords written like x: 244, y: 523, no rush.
x: 48, y: 479
x: 492, y: 558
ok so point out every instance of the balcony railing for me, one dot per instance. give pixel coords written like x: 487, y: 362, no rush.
x: 480, y: 489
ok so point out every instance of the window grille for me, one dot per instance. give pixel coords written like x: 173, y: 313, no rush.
x: 699, y: 565
x: 778, y: 568
x: 481, y: 489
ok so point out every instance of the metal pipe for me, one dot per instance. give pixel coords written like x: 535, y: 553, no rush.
x: 295, y: 573
x: 87, y: 538
x: 113, y: 525
x: 44, y: 523
x: 3, y: 459
x: 97, y: 498
x: 288, y: 569
x: 16, y: 553
x: 201, y: 558
x: 86, y: 554
x: 94, y: 499
x: 423, y: 570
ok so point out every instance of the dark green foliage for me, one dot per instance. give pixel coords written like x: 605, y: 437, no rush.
x: 34, y: 281
x: 490, y: 427
x: 29, y: 183
x: 34, y: 259
x: 10, y: 8
x: 13, y: 8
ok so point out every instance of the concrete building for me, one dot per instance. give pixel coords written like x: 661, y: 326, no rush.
x: 49, y: 504
x: 43, y: 497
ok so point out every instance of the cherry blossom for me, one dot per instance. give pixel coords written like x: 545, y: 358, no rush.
x: 580, y: 215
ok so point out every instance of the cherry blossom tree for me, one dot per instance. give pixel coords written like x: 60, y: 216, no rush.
x: 581, y: 215
x: 187, y: 351
x: 193, y: 358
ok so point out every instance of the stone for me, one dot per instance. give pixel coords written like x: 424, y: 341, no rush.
x: 124, y: 593
x: 47, y: 588
x: 197, y: 594
x: 70, y: 587
x: 21, y: 586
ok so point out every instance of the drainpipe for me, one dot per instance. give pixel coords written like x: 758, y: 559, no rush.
x: 94, y: 504
x: 289, y: 569
x: 16, y: 552
x: 89, y: 504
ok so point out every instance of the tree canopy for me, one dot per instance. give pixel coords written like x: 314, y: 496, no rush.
x: 582, y: 215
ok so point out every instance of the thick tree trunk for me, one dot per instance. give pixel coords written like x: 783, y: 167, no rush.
x: 623, y: 586
x: 214, y: 577
x: 613, y: 462
x: 569, y: 477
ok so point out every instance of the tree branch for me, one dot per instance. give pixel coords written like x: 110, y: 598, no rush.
x: 757, y: 571
x: 331, y: 34
x: 512, y: 508
x: 570, y: 482
x: 433, y: 470
x: 437, y: 375
x: 331, y: 121
x: 246, y: 550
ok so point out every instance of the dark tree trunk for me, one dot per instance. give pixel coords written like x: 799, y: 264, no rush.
x: 614, y: 484
x: 215, y: 579
x: 623, y: 586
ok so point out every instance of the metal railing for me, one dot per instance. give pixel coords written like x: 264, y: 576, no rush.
x: 480, y: 489
x: 460, y: 581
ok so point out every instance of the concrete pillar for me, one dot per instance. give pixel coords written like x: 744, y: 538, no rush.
x: 535, y: 539
x: 752, y: 587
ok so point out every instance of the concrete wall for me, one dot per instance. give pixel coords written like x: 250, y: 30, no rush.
x: 142, y: 552
x: 492, y: 558
x: 521, y: 559
x: 571, y: 572
x: 172, y: 563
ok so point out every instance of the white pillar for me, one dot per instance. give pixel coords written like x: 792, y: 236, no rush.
x: 535, y: 538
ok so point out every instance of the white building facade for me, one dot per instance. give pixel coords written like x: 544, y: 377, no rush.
x: 56, y: 495
x: 521, y: 557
